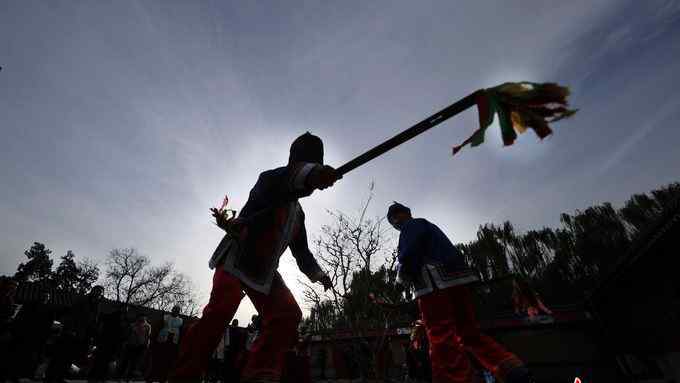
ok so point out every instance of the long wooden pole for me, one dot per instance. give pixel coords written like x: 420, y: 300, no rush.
x: 428, y: 123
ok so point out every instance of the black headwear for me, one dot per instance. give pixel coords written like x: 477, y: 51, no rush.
x: 395, y: 208
x: 307, y: 148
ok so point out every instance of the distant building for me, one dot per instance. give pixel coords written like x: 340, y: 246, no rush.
x: 61, y: 300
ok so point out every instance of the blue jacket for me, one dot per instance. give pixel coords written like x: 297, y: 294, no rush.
x: 422, y: 242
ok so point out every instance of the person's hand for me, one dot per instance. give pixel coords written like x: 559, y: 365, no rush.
x: 219, y: 218
x: 231, y: 225
x: 324, y: 177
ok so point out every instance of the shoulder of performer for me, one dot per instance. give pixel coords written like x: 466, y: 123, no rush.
x: 415, y: 225
x: 273, y: 175
x: 268, y: 182
x: 291, y: 178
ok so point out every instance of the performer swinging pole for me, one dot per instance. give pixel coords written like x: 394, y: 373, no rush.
x: 421, y: 127
x: 519, y: 105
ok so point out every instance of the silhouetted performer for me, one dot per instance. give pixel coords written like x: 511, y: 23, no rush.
x: 438, y: 272
x: 273, y: 220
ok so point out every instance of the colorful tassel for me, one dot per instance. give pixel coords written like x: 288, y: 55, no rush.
x: 519, y: 106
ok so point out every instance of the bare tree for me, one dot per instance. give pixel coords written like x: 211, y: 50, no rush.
x: 357, y: 254
x: 130, y: 278
x: 348, y: 246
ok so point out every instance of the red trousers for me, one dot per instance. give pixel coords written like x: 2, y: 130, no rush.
x: 455, y: 337
x: 280, y: 315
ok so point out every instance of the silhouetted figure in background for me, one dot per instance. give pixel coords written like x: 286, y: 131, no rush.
x: 418, y: 354
x: 80, y: 328
x: 8, y: 310
x: 234, y: 352
x: 32, y: 327
x: 254, y: 328
x: 136, y: 345
x: 164, y: 351
x: 108, y: 342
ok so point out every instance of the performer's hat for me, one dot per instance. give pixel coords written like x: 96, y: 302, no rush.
x: 395, y: 208
x: 307, y: 148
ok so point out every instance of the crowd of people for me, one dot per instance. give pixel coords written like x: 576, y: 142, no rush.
x: 41, y: 341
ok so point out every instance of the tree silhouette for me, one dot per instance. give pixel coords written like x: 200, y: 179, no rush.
x: 567, y: 263
x: 39, y: 265
x: 75, y: 277
x: 350, y: 250
x: 131, y: 279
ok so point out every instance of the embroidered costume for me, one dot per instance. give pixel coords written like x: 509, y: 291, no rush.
x: 438, y: 273
x: 274, y: 221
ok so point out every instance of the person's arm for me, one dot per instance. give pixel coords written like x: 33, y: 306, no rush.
x: 275, y: 187
x: 288, y: 184
x: 306, y: 262
x: 411, y: 241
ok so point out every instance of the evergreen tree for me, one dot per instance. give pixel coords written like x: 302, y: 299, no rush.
x: 39, y: 265
x: 72, y: 276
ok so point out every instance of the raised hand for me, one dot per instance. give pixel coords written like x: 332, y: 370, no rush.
x: 324, y: 177
x: 220, y: 218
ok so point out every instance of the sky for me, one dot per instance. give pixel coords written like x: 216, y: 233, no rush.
x: 122, y: 123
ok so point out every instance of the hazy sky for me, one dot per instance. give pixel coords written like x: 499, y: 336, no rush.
x: 122, y: 122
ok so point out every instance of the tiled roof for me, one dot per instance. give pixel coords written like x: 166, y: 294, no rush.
x: 32, y: 292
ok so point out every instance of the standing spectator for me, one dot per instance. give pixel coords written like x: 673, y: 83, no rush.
x: 216, y: 367
x: 79, y: 329
x: 164, y: 350
x: 108, y: 341
x: 8, y: 310
x: 410, y: 363
x: 32, y: 326
x: 254, y: 328
x: 172, y: 326
x: 135, y: 347
x: 385, y: 360
x: 420, y: 348
x: 322, y: 361
x: 235, y: 351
